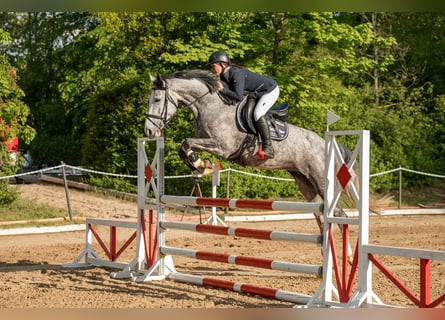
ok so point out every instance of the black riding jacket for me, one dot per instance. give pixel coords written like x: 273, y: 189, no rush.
x: 239, y: 80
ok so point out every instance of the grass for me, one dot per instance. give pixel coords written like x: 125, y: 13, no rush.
x: 423, y: 195
x: 23, y: 210
x: 32, y: 224
x: 28, y: 210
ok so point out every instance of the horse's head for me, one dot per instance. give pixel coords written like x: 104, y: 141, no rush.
x: 161, y: 108
x: 186, y: 88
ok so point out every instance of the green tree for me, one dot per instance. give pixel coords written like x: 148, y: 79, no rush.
x: 107, y: 91
x: 401, y: 125
x: 86, y: 78
x: 423, y: 43
x: 13, y: 115
x: 38, y: 39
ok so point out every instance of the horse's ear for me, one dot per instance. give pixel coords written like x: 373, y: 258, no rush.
x: 158, y: 82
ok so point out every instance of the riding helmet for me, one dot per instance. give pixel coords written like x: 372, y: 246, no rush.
x: 219, y: 56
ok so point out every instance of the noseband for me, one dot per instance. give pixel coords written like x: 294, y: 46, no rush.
x: 163, y: 115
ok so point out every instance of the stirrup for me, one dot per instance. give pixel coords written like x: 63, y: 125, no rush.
x: 268, y: 155
x: 265, y: 155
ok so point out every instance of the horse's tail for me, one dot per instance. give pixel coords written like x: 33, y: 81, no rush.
x: 377, y: 203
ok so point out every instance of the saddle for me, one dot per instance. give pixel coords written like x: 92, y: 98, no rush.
x: 276, y: 119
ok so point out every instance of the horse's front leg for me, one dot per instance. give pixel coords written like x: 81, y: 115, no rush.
x: 188, y: 154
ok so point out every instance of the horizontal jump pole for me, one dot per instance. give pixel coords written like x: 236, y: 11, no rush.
x: 242, y: 260
x: 405, y: 252
x: 129, y: 223
x: 241, y: 287
x: 244, y: 203
x: 244, y: 232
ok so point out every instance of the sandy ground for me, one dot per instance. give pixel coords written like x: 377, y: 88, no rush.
x: 32, y: 275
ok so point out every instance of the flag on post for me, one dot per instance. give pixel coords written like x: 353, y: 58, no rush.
x: 332, y: 117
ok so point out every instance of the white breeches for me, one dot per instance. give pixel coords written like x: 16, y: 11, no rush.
x: 265, y: 103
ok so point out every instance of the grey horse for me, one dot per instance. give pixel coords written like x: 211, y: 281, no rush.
x: 302, y: 153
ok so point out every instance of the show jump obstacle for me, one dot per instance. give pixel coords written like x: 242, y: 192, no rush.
x: 342, y: 285
x: 336, y: 180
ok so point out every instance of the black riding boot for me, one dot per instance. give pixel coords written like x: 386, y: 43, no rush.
x: 263, y: 129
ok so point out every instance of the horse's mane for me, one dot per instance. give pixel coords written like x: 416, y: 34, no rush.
x: 204, y: 76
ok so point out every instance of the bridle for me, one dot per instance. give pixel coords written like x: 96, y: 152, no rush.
x: 168, y: 98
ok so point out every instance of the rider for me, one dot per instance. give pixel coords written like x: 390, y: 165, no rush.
x: 239, y: 80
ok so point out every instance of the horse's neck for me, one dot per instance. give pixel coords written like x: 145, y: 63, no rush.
x: 196, y: 96
x: 207, y: 108
x: 189, y: 91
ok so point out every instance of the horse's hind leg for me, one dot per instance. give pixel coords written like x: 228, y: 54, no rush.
x: 310, y: 193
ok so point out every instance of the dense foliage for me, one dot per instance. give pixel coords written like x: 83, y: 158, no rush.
x: 86, y: 81
x: 13, y: 116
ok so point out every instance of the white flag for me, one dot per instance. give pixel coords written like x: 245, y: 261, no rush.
x: 332, y: 117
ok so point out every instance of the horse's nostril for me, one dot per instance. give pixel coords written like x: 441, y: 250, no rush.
x: 152, y: 133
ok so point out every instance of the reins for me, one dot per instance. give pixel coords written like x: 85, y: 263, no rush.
x: 163, y: 115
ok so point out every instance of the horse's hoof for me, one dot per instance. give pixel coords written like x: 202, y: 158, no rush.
x: 207, y: 164
x: 208, y: 171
